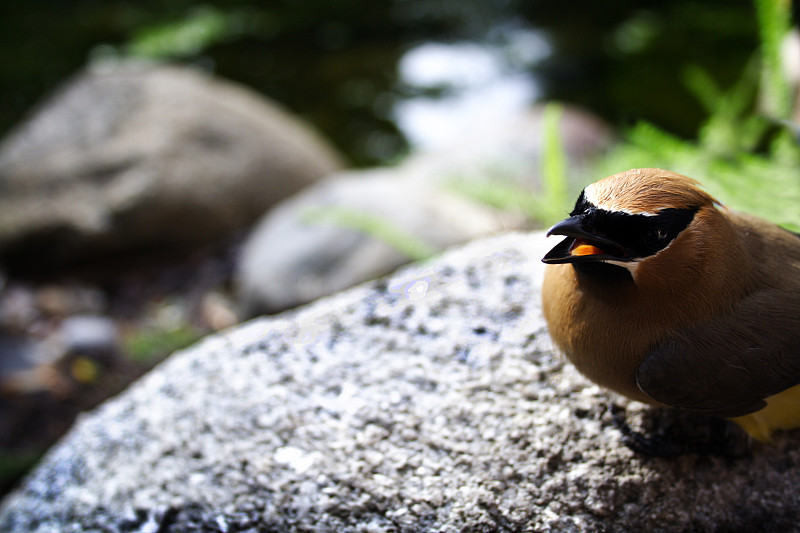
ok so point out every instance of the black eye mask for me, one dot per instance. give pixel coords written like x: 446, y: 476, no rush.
x: 640, y: 235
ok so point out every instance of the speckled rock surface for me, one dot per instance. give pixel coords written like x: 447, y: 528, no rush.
x: 430, y: 401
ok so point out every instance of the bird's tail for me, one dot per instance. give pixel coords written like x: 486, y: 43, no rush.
x: 782, y: 412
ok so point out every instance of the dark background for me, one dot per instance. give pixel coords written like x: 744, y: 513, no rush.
x: 623, y: 60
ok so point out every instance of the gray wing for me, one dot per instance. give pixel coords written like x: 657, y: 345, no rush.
x: 728, y: 366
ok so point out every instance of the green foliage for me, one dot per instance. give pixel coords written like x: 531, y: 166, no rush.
x: 543, y: 208
x: 200, y: 29
x: 555, y: 197
x: 150, y: 344
x: 774, y: 21
x: 747, y: 159
x: 371, y: 225
x: 764, y: 184
x: 499, y: 193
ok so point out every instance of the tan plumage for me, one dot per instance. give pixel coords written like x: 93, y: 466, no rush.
x: 689, y: 305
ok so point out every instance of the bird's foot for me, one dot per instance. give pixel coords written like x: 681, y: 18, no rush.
x: 677, y: 434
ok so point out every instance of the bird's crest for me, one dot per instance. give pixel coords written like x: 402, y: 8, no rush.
x: 647, y: 191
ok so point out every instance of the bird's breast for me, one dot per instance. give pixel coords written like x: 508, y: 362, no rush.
x: 605, y: 330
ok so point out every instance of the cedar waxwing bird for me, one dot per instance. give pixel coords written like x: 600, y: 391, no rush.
x: 660, y: 293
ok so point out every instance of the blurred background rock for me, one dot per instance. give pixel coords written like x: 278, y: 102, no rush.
x: 142, y: 142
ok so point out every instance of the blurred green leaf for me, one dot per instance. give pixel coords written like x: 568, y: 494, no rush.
x: 374, y: 226
x: 774, y: 21
x: 555, y: 198
x: 203, y: 27
x: 498, y: 193
x: 545, y: 207
x: 150, y: 344
x: 703, y: 87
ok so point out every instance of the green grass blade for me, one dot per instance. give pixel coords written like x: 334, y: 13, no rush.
x: 371, y: 225
x: 774, y: 21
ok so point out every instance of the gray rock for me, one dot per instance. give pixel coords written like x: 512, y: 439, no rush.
x: 18, y: 353
x: 289, y: 260
x: 93, y: 335
x: 297, y: 254
x: 35, y: 363
x: 431, y: 401
x: 131, y: 156
x: 28, y: 367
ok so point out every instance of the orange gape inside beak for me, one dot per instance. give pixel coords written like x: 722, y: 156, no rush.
x: 586, y: 249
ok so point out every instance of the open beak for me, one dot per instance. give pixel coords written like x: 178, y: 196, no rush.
x: 582, y: 245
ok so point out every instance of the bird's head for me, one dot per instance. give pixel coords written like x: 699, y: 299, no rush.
x: 628, y: 219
